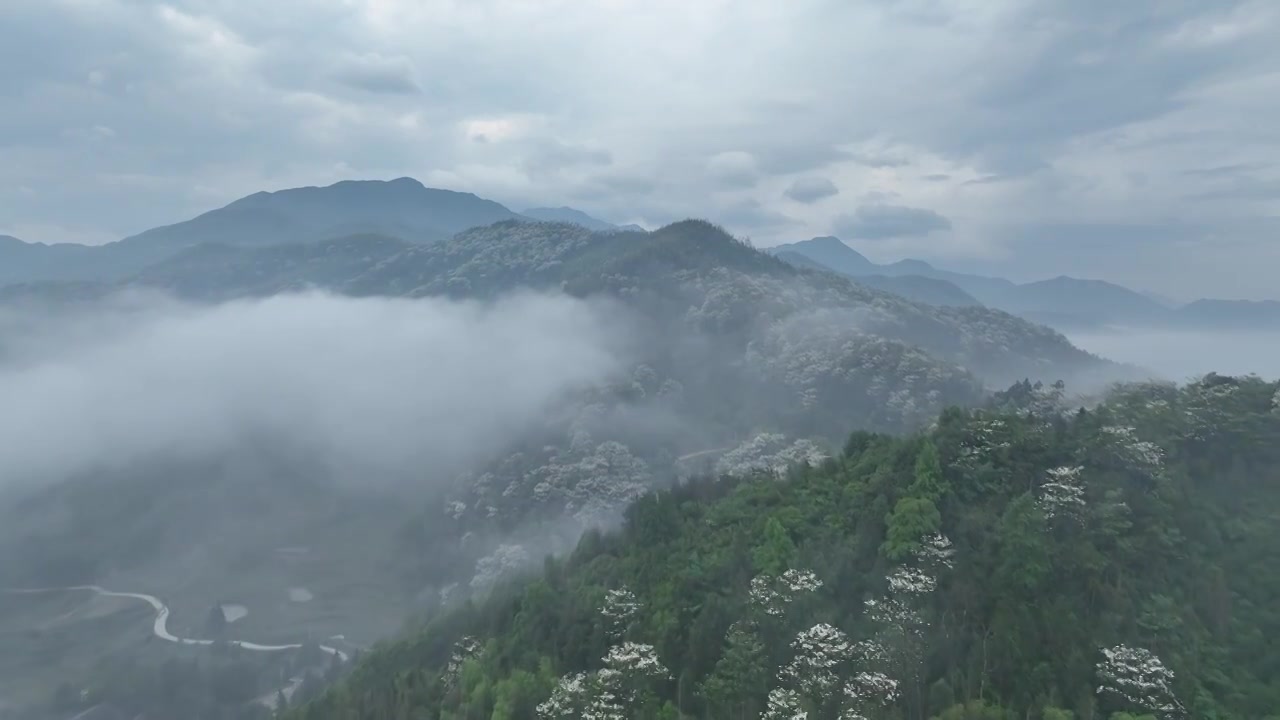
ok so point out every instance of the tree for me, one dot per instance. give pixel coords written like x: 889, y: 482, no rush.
x: 735, y: 684
x: 1139, y: 680
x: 776, y: 552
x: 215, y: 625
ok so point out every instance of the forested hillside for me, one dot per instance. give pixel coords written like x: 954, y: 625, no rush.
x: 1022, y: 561
x: 733, y: 361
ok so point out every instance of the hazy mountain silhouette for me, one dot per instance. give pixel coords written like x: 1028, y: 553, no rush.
x: 1062, y: 302
x: 402, y: 208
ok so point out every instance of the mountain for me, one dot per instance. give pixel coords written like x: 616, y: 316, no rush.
x: 32, y: 262
x: 1062, y: 302
x: 402, y: 208
x: 1022, y: 561
x: 1071, y: 301
x: 568, y: 215
x: 1231, y: 314
x: 832, y: 253
x: 735, y: 360
x: 913, y: 287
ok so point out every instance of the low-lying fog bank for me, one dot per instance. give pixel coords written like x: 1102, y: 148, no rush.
x: 1180, y: 355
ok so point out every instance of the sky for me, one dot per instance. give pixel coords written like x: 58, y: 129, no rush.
x: 1133, y: 142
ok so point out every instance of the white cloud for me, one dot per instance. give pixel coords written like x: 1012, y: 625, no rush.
x: 369, y: 386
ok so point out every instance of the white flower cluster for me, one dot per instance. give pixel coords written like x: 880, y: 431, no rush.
x: 505, y: 559
x: 783, y: 704
x: 986, y: 438
x: 635, y: 660
x: 1141, y: 455
x: 463, y: 650
x: 910, y: 581
x: 1062, y: 494
x: 820, y: 651
x: 620, y: 608
x: 769, y: 452
x: 936, y: 551
x: 1140, y: 678
x: 892, y: 613
x: 821, y: 654
x: 610, y: 692
x: 1208, y: 407
x: 865, y: 692
x: 591, y: 484
x: 774, y: 593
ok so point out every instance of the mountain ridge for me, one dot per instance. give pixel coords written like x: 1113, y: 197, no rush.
x: 402, y: 207
x: 1063, y: 301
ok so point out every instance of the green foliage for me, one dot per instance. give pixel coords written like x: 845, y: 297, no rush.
x: 776, y: 552
x: 1168, y: 557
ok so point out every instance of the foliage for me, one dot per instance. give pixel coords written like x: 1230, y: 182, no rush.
x: 1151, y: 595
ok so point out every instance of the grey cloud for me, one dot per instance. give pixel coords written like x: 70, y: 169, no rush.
x: 378, y: 73
x: 986, y: 179
x: 797, y: 156
x: 747, y: 215
x: 613, y: 184
x: 554, y: 155
x: 879, y: 159
x: 811, y: 189
x: 1055, y: 98
x: 368, y: 385
x: 733, y: 169
x: 1070, y: 69
x: 1226, y: 170
x: 878, y: 222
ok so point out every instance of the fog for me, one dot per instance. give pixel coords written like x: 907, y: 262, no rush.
x: 1182, y: 355
x: 370, y: 386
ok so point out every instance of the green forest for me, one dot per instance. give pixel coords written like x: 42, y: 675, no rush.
x: 1022, y: 560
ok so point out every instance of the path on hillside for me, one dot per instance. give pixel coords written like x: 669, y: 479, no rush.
x: 700, y: 453
x: 161, y: 625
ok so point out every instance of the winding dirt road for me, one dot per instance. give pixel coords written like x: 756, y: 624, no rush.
x: 161, y: 625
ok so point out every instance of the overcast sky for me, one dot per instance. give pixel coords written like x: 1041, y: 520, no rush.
x: 1132, y: 141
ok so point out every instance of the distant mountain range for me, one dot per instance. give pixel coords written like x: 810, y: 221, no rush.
x: 404, y: 211
x: 401, y: 208
x: 1065, y: 303
x: 575, y: 217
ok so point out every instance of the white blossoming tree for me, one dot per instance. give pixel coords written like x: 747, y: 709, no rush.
x: 1062, y: 493
x: 1124, y: 446
x: 614, y: 691
x: 820, y: 653
x: 619, y: 610
x: 822, y: 678
x: 772, y: 594
x: 866, y: 693
x: 463, y: 650
x: 504, y: 560
x: 769, y: 452
x: 1139, y: 680
x: 784, y: 704
x: 936, y: 552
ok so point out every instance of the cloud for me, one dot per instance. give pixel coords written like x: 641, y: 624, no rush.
x: 743, y: 216
x: 549, y: 156
x: 734, y: 169
x: 811, y: 189
x: 367, y: 386
x: 1084, y: 112
x: 378, y: 73
x: 878, y: 222
x: 1181, y: 355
